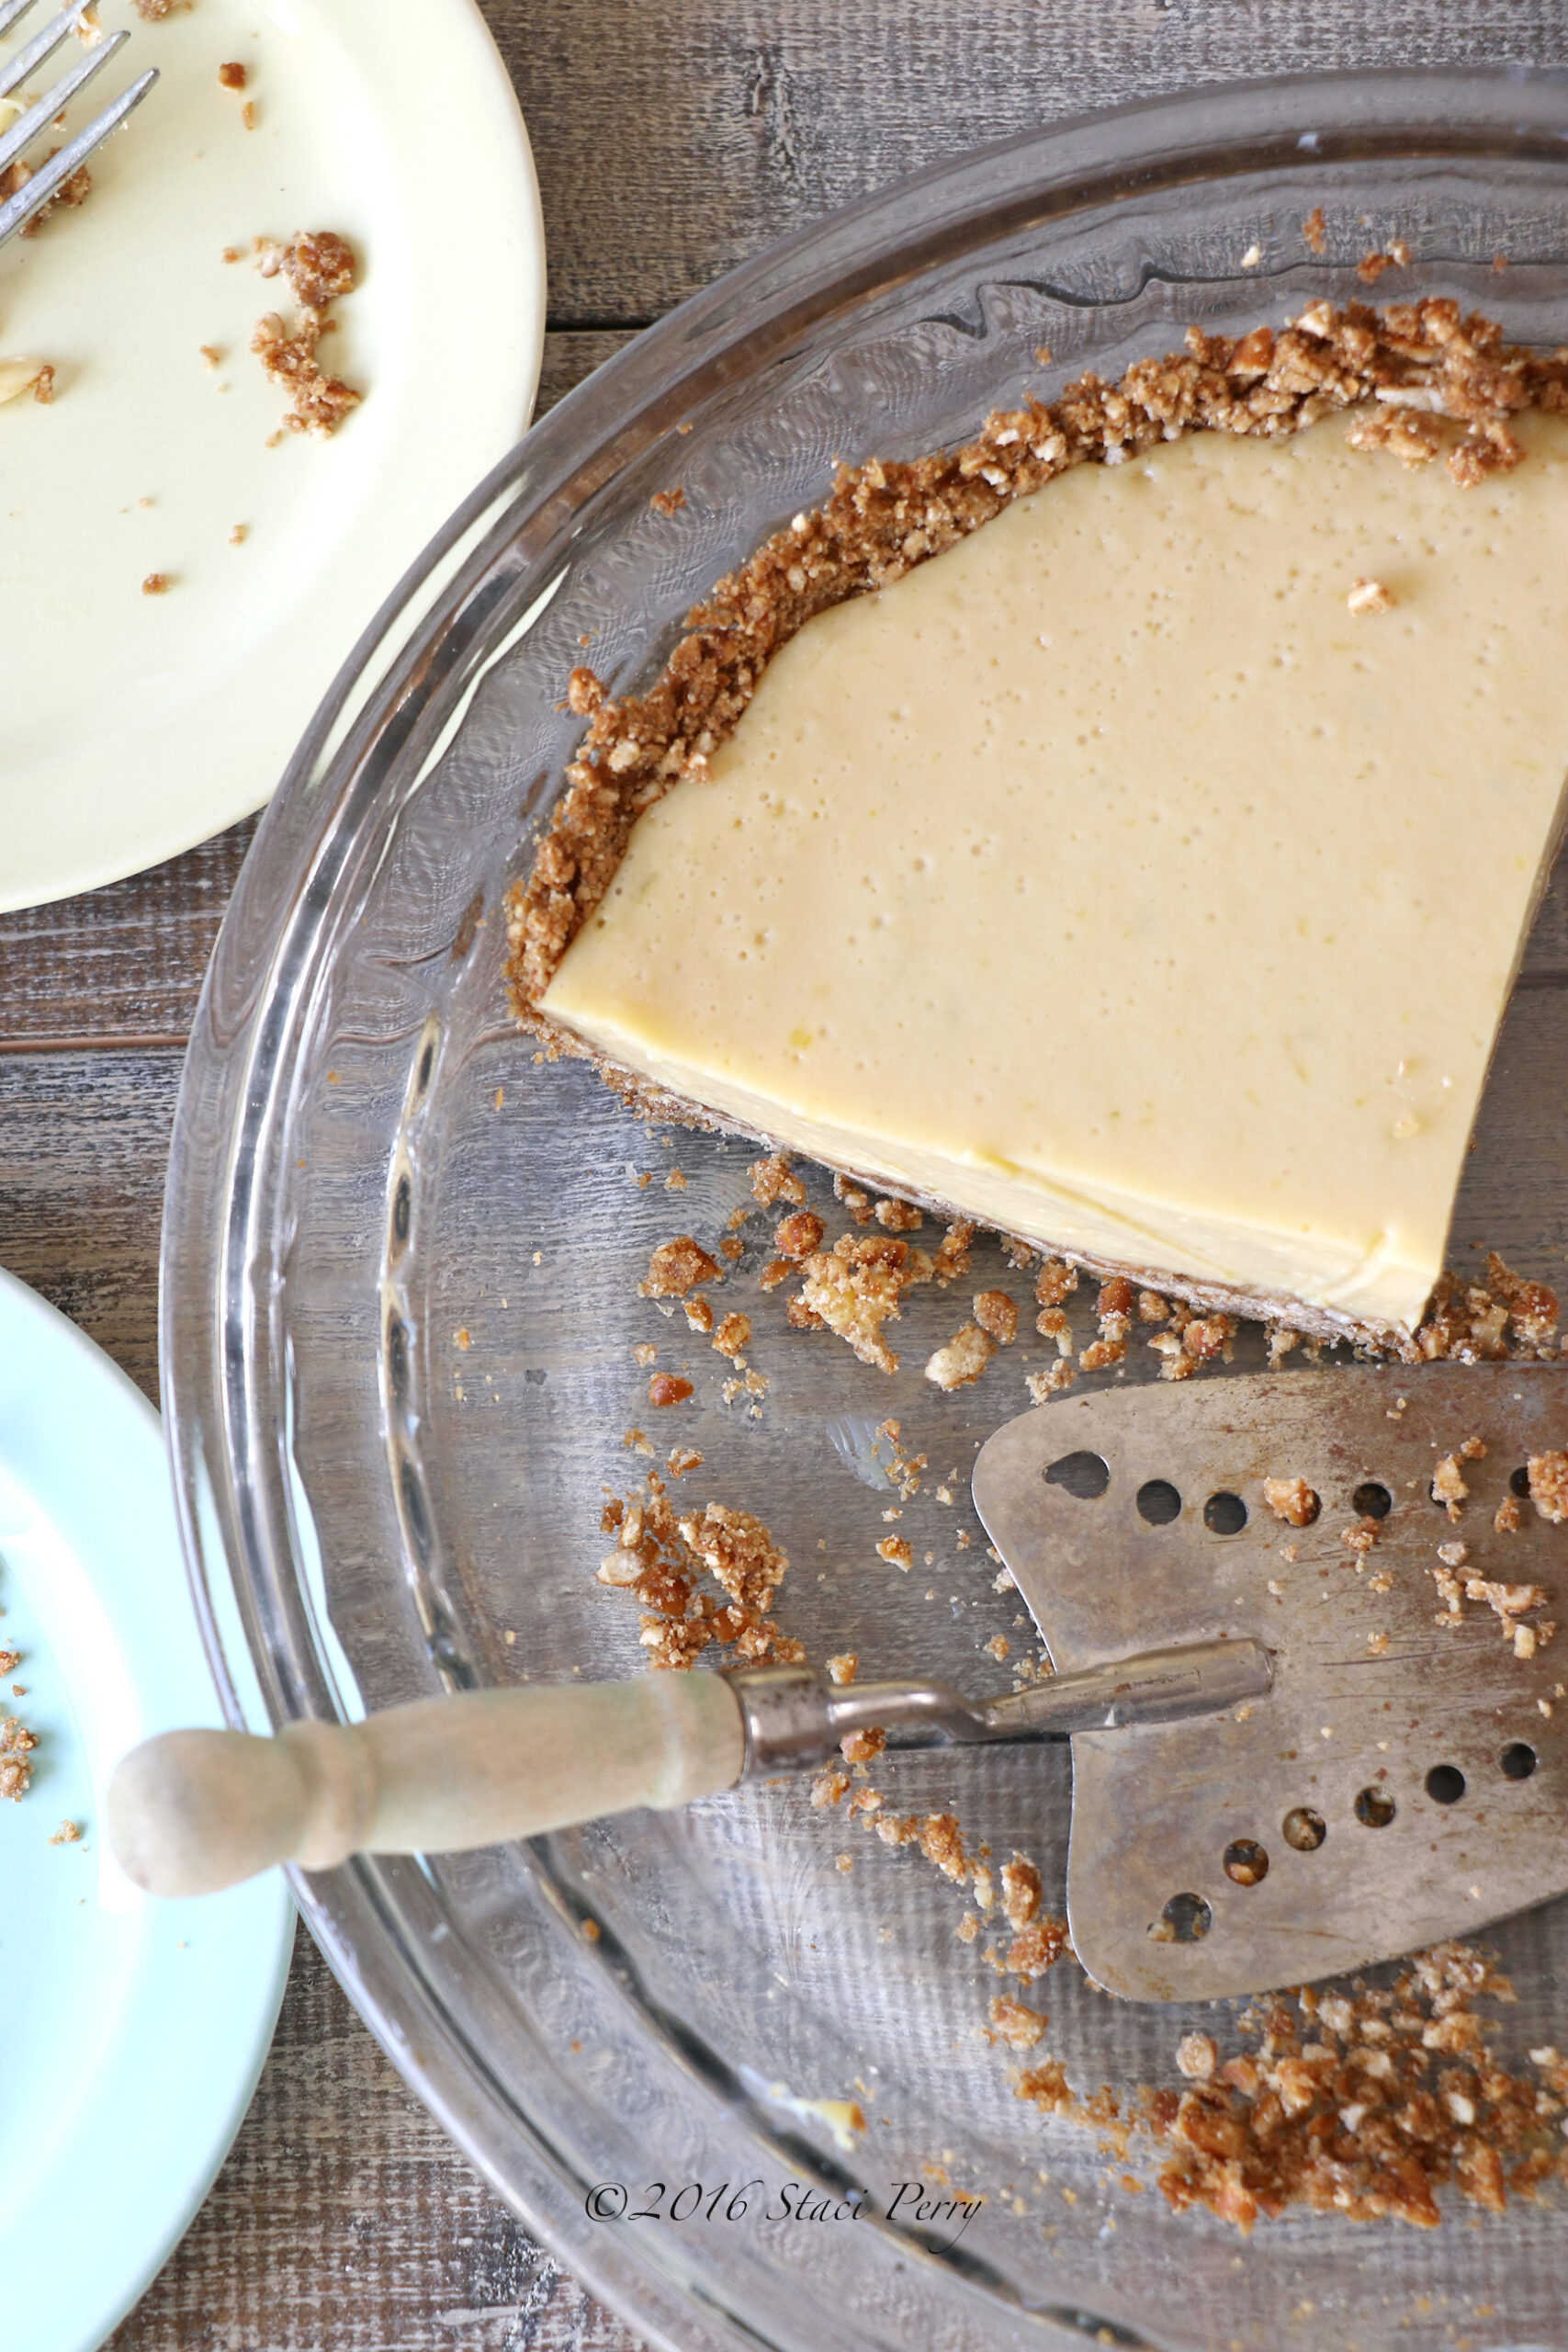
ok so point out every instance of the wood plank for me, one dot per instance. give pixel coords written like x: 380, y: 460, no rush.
x: 84, y: 1143
x: 121, y: 965
x: 674, y: 142
x: 344, y: 2221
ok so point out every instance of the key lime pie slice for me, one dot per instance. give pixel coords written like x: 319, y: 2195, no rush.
x: 1146, y: 874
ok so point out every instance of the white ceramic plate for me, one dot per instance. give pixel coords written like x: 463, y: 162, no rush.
x: 132, y: 2032
x: 134, y: 725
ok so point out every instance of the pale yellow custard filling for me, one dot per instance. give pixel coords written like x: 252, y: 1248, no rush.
x: 1113, y: 880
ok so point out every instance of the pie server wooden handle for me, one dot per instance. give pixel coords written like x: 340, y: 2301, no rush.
x: 191, y: 1811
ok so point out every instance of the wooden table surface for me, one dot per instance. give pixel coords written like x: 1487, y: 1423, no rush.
x: 672, y: 140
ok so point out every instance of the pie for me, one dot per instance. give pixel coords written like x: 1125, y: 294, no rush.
x: 1142, y: 874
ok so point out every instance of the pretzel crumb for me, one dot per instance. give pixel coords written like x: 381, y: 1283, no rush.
x: 677, y: 1267
x: 733, y: 1334
x: 1196, y: 2056
x: 1360, y: 2104
x: 1015, y: 2023
x: 16, y: 1744
x: 1549, y: 1485
x: 1291, y: 1499
x: 964, y: 1359
x: 996, y: 1315
x: 320, y: 268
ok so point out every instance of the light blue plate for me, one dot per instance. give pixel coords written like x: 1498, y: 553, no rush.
x: 132, y: 2032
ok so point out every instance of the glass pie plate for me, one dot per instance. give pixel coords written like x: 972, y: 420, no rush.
x: 401, y: 1263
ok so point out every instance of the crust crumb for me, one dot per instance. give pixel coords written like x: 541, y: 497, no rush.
x: 996, y: 1315
x: 1012, y: 2022
x: 1054, y: 1281
x: 1447, y: 1485
x: 1396, y: 255
x: 1291, y: 1499
x: 1361, y: 2104
x: 1549, y: 1485
x: 16, y: 1744
x: 676, y: 1267
x: 1023, y: 1893
x: 320, y: 268
x: 661, y: 1560
x: 964, y: 1359
x: 798, y: 1236
x: 733, y: 1334
x: 773, y: 1181
x: 1196, y: 2056
x: 855, y: 1288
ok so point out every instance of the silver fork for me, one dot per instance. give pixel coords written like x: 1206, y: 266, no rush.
x: 35, y: 193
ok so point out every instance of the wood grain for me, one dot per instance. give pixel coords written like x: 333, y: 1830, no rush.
x: 123, y: 965
x: 84, y: 1143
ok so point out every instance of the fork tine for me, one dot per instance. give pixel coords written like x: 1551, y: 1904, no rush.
x: 38, y: 117
x: 35, y: 195
x: 41, y: 45
x: 9, y: 12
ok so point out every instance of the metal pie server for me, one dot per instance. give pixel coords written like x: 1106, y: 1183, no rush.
x: 1406, y: 1779
x: 191, y: 1811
